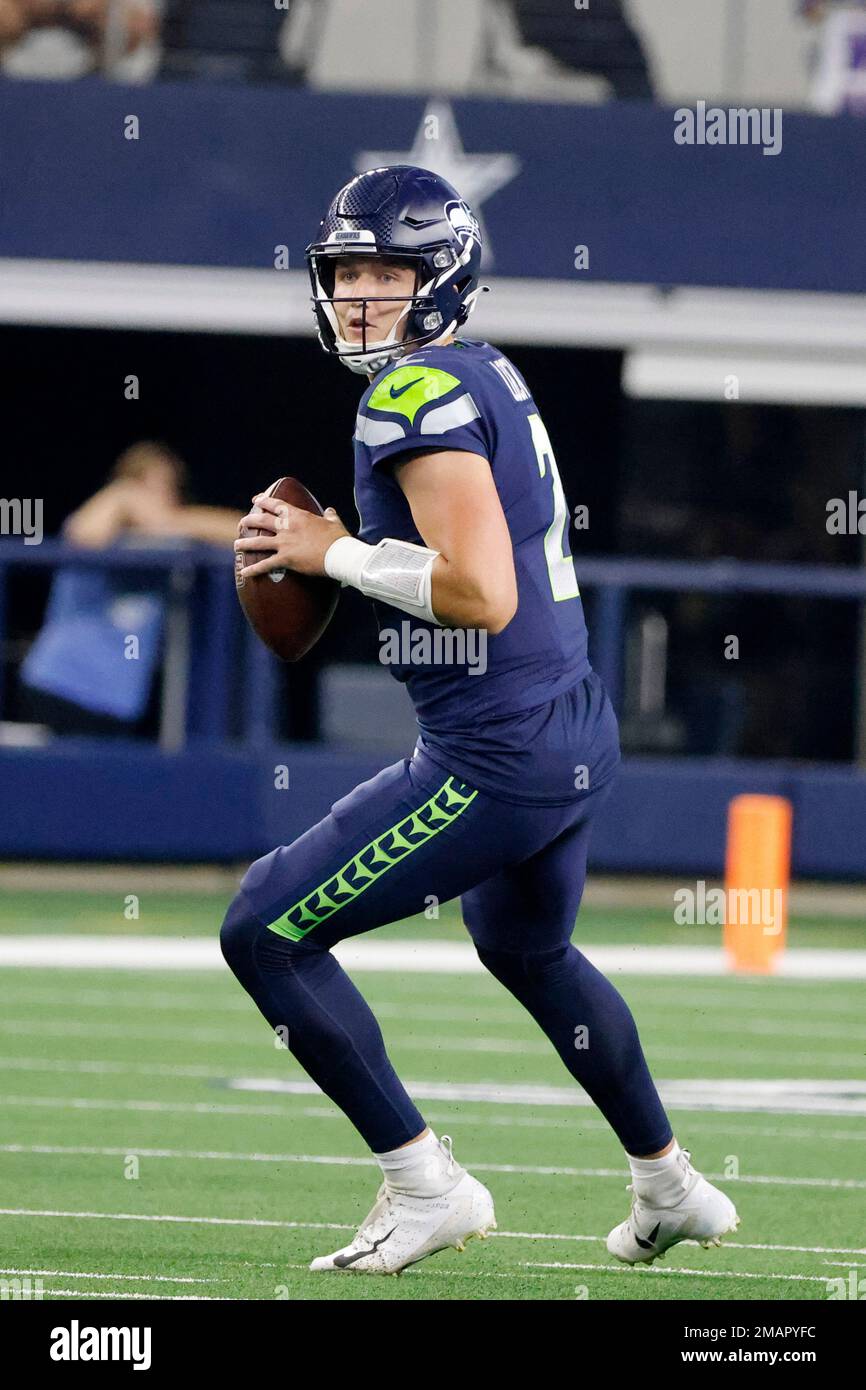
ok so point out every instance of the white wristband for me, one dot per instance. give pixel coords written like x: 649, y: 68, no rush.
x: 345, y: 559
x: 396, y: 572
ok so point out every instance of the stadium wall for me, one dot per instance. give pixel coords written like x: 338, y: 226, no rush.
x: 89, y: 801
x: 230, y: 174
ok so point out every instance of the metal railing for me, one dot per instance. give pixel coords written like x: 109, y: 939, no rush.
x: 206, y: 628
x: 206, y: 636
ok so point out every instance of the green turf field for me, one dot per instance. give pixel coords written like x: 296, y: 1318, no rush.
x: 158, y: 913
x: 132, y: 1166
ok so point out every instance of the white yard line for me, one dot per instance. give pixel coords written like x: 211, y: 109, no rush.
x: 120, y: 1293
x: 729, y: 1244
x: 413, y: 956
x: 241, y: 1036
x: 447, y: 1272
x: 767, y: 1054
x: 822, y: 1021
x: 801, y: 1096
x: 205, y: 1109
x: 99, y: 1067
x: 674, y: 1269
x: 345, y: 1226
x: 131, y: 1000
x: 338, y: 1161
x: 176, y: 1220
x: 136, y: 1278
x: 160, y: 1107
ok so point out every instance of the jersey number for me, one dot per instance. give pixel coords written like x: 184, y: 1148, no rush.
x: 560, y: 566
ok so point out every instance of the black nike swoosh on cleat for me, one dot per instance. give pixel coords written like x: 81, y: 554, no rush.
x: 401, y: 389
x: 651, y: 1238
x: 342, y: 1260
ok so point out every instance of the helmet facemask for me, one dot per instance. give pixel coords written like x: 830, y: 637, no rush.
x: 422, y: 320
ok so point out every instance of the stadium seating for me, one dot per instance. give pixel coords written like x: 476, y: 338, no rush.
x: 224, y: 39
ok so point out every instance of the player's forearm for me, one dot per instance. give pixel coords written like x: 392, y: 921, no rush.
x: 456, y: 509
x: 423, y: 582
x: 100, y: 519
x: 215, y: 525
x: 461, y: 598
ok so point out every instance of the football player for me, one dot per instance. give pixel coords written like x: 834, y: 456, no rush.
x: 463, y: 526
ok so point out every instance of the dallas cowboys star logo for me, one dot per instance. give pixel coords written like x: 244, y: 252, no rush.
x: 437, y: 146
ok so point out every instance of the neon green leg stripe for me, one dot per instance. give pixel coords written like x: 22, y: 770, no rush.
x: 375, y: 859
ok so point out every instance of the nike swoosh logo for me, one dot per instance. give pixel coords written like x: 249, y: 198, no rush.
x: 341, y: 1261
x: 651, y: 1238
x: 400, y: 389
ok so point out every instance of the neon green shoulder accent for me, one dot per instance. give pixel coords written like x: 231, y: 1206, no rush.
x: 404, y: 391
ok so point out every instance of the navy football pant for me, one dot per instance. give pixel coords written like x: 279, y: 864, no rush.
x: 410, y: 836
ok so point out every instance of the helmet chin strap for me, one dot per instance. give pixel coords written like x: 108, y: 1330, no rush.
x: 372, y: 361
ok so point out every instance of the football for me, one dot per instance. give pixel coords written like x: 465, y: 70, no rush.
x: 288, y: 611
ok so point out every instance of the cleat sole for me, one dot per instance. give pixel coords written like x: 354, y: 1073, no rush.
x: 717, y: 1240
x: 481, y: 1234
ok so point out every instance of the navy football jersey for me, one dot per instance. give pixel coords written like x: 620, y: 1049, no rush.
x: 512, y: 713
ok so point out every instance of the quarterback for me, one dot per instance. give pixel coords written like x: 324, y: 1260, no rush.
x: 463, y: 525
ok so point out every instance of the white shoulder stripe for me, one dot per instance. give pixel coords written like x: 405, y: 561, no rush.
x: 374, y: 432
x: 448, y: 417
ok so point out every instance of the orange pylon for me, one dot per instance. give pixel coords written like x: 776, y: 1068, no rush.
x: 757, y: 877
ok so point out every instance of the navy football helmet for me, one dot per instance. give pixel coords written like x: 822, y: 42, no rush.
x: 412, y: 215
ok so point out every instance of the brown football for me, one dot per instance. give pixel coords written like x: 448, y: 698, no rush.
x: 288, y: 611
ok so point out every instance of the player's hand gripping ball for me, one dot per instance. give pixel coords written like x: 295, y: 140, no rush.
x: 279, y: 568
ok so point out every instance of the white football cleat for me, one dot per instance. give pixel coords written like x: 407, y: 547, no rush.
x: 703, y: 1213
x: 401, y: 1229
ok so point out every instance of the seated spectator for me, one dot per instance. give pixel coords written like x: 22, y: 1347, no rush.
x: 91, y: 668
x: 598, y: 39
x: 145, y: 497
x: 70, y: 38
x: 237, y: 40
